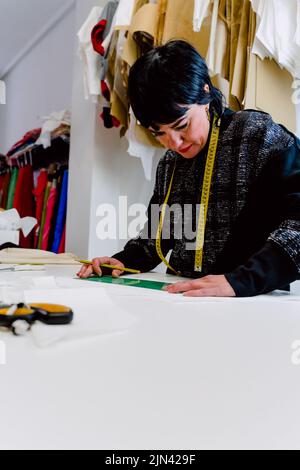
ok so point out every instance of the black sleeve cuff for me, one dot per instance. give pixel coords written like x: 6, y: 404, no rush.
x: 269, y: 269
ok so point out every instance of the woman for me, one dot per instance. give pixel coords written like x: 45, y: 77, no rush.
x: 241, y: 167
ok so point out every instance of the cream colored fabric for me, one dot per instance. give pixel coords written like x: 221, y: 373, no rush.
x: 28, y: 256
x: 178, y: 21
x: 239, y: 76
x: 201, y: 11
x: 269, y: 88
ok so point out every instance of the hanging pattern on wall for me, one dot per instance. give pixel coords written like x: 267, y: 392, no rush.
x: 223, y: 31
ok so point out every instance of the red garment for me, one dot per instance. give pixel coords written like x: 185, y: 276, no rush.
x: 24, y: 201
x: 62, y: 245
x: 1, y: 188
x: 5, y: 188
x: 39, y: 193
x: 49, y: 216
x: 29, y: 136
x: 97, y: 37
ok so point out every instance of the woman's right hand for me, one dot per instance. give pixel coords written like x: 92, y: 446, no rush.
x: 88, y: 270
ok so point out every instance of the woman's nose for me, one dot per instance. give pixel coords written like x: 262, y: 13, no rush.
x: 174, y: 140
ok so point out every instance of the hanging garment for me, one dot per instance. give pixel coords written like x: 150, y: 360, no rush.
x: 12, y: 189
x: 49, y: 215
x: 91, y: 61
x: 210, y: 59
x: 276, y: 33
x: 5, y: 188
x: 98, y: 35
x: 46, y: 196
x: 1, y: 188
x: 62, y: 245
x: 245, y: 40
x: 24, y: 201
x: 121, y: 20
x: 173, y: 28
x: 201, y: 11
x: 39, y: 193
x: 61, y: 216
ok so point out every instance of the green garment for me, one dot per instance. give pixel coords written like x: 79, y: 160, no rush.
x: 12, y: 188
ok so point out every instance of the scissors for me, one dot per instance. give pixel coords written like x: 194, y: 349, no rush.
x: 19, y: 317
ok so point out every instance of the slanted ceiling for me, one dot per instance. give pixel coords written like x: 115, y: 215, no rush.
x: 23, y: 23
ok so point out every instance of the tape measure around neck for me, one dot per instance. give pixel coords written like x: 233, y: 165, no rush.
x: 209, y: 167
x: 161, y: 224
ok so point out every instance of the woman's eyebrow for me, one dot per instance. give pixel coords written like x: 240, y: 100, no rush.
x: 178, y: 121
x: 173, y: 125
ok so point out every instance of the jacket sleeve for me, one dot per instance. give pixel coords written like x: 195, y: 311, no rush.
x: 140, y: 253
x: 277, y: 263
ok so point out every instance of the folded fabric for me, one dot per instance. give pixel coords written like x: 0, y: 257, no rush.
x: 29, y: 256
x: 52, y: 122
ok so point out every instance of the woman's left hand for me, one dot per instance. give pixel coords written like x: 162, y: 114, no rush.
x: 208, y: 286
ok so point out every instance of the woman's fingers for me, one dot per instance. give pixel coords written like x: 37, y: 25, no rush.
x: 95, y: 268
x: 85, y: 271
x: 208, y: 286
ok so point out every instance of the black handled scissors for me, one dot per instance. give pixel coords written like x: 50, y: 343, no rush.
x: 50, y: 314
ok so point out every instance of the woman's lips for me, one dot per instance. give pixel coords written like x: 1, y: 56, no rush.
x: 186, y: 149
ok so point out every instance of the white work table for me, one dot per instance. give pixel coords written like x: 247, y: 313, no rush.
x: 178, y: 374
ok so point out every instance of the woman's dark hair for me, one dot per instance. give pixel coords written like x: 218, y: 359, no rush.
x: 166, y: 80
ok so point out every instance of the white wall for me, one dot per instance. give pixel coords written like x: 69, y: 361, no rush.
x: 40, y: 83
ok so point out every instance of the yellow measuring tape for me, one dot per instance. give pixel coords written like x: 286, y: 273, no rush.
x: 209, y: 167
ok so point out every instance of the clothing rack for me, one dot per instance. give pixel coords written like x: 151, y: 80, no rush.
x: 34, y: 180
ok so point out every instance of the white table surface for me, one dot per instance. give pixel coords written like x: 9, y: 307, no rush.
x: 188, y: 374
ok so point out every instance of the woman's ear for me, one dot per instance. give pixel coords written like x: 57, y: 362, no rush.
x: 206, y: 88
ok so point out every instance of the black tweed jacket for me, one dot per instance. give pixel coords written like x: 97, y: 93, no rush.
x: 253, y: 223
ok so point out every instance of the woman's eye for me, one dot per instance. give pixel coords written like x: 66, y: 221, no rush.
x: 157, y: 134
x: 181, y: 127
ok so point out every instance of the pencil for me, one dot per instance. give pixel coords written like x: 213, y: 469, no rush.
x: 109, y: 266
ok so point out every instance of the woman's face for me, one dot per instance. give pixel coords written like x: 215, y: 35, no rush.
x: 188, y: 135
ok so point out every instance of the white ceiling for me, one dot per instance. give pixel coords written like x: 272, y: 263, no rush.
x: 20, y: 22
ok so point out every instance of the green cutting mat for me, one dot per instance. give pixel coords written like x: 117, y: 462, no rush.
x: 123, y: 281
